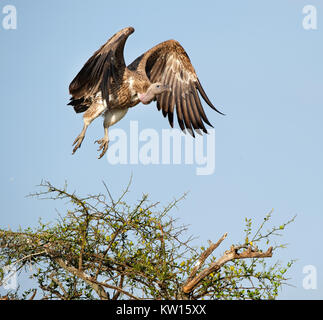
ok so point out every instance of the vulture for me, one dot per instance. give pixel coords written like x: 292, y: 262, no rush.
x: 106, y: 86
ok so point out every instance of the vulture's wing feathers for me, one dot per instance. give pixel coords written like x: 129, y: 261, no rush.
x: 106, y: 65
x: 169, y: 64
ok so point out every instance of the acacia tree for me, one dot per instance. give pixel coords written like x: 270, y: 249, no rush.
x: 104, y: 248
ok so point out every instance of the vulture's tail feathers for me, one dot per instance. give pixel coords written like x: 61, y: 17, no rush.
x: 78, y: 104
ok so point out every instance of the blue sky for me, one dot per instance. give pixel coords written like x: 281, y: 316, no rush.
x: 255, y: 61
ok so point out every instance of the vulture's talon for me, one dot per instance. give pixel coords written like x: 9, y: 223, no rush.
x: 77, y: 142
x: 104, y: 143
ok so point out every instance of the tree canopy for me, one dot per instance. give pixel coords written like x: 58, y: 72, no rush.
x: 106, y: 248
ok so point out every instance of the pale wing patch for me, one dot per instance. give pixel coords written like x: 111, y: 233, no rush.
x: 131, y: 82
x: 98, y: 99
x: 179, y: 70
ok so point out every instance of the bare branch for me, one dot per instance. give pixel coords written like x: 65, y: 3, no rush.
x: 119, y: 289
x: 203, y: 257
x: 229, y: 255
x: 118, y: 292
x: 93, y: 284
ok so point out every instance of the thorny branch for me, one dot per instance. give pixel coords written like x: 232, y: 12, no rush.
x: 116, y: 250
x: 229, y: 255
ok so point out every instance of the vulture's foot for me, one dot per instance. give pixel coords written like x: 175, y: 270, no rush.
x: 77, y: 142
x: 104, y: 143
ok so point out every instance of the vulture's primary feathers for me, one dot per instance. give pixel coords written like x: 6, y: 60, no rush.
x: 105, y: 85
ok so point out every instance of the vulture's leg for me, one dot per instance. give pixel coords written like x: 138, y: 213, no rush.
x: 91, y: 113
x: 110, y: 118
x: 104, y: 142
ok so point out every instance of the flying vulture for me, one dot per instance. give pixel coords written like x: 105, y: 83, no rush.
x: 105, y: 85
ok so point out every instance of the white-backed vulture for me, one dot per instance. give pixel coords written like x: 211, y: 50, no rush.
x: 105, y: 85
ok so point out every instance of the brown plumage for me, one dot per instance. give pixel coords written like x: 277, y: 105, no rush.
x: 105, y: 85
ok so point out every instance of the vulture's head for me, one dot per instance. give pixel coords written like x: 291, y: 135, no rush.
x: 154, y: 90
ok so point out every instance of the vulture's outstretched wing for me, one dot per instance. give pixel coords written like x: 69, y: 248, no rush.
x: 105, y: 65
x: 169, y: 64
